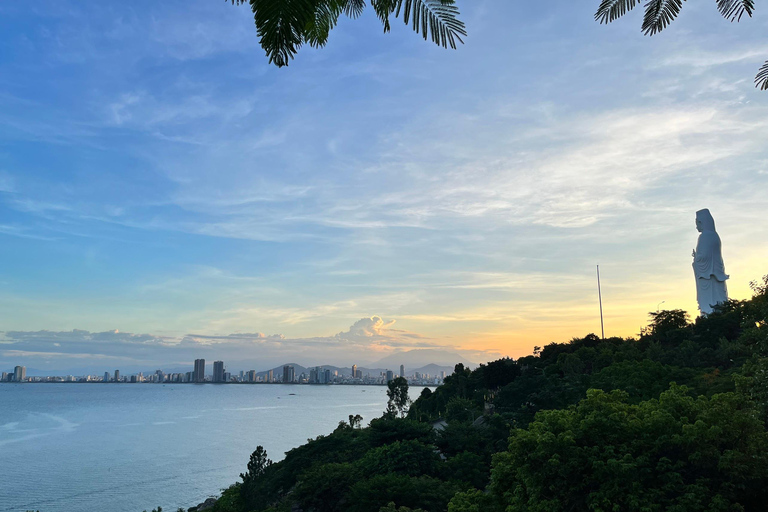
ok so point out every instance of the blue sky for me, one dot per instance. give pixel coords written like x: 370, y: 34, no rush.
x: 159, y: 178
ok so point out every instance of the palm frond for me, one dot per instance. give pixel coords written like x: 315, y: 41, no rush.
x: 383, y: 9
x: 438, y: 17
x: 659, y: 14
x: 733, y: 10
x: 281, y: 26
x: 611, y: 10
x: 354, y: 8
x: 325, y: 17
x: 761, y: 80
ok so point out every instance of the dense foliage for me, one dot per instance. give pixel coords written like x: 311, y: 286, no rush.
x: 660, y: 13
x: 284, y: 26
x: 673, y: 420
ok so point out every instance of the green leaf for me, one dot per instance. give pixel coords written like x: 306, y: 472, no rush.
x: 281, y: 26
x: 733, y: 10
x: 659, y: 14
x: 611, y: 10
x: 438, y: 17
x: 761, y: 80
x: 354, y: 8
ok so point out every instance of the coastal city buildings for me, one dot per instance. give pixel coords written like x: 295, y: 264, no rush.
x: 218, y: 372
x: 199, y: 372
x: 290, y: 374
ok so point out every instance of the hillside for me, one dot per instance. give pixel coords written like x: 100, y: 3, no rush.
x: 673, y: 420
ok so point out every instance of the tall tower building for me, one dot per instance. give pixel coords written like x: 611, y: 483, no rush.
x: 199, y: 370
x: 390, y: 375
x: 270, y: 376
x: 106, y: 376
x: 289, y: 374
x: 20, y: 373
x: 354, y: 371
x: 218, y: 371
x: 117, y: 375
x: 402, y: 370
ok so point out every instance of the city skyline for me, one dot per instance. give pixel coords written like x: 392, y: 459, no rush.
x: 321, y: 374
x: 342, y: 205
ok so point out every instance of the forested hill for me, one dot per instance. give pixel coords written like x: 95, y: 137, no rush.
x: 672, y: 421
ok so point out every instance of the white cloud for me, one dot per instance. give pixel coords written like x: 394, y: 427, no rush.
x: 365, y: 335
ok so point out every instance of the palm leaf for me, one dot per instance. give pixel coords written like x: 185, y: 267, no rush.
x: 659, y: 14
x: 761, y: 80
x: 733, y: 10
x: 438, y: 17
x: 354, y: 8
x: 281, y: 26
x: 325, y: 17
x: 611, y: 10
x: 383, y: 9
x: 284, y: 25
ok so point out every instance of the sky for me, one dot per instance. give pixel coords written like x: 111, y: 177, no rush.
x: 167, y: 194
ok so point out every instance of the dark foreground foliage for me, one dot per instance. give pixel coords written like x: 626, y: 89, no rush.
x: 672, y: 421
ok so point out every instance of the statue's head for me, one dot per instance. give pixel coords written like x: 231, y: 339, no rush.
x: 704, y: 221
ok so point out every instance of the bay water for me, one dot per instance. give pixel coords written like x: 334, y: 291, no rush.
x: 131, y: 447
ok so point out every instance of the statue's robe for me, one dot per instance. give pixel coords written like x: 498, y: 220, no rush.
x: 708, y: 266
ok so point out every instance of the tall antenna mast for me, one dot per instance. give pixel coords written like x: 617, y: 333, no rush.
x: 600, y: 298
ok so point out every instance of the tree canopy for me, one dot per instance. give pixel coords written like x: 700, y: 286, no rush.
x: 673, y: 420
x: 284, y: 26
x: 660, y: 13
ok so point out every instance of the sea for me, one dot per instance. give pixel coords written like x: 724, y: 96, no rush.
x: 131, y: 447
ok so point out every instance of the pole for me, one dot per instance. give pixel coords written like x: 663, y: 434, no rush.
x: 600, y: 298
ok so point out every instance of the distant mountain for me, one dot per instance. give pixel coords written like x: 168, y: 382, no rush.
x: 418, y: 358
x: 432, y: 369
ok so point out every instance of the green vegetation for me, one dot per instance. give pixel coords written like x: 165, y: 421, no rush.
x: 284, y: 26
x: 674, y: 420
x: 660, y: 13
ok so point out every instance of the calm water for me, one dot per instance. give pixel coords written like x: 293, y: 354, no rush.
x: 130, y: 447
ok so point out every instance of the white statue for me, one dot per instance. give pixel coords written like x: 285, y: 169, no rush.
x: 708, y: 266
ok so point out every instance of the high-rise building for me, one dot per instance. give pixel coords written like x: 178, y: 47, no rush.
x: 289, y: 374
x: 402, y: 370
x: 199, y: 370
x: 390, y: 375
x: 252, y: 376
x: 218, y: 371
x: 106, y: 376
x: 20, y: 373
x: 4, y: 377
x: 270, y: 376
x: 242, y: 375
x: 117, y: 375
x: 354, y: 371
